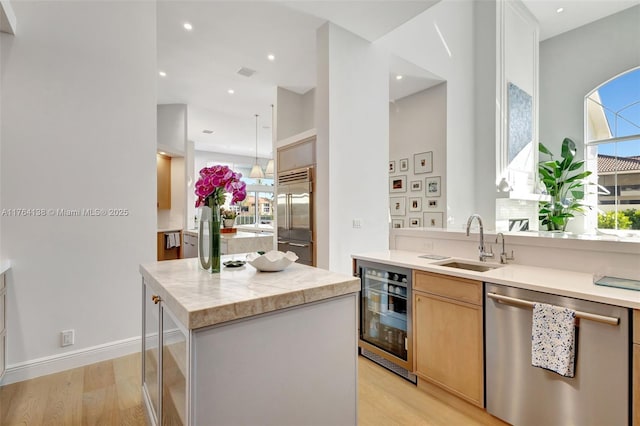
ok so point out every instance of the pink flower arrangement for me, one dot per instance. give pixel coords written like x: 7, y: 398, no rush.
x: 214, y: 182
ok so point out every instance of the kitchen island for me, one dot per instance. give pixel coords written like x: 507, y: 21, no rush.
x: 237, y: 242
x: 248, y: 347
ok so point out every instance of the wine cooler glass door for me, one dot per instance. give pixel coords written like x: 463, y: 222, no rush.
x: 384, y: 310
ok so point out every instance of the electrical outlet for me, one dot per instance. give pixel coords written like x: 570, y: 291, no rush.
x: 357, y: 223
x: 67, y: 337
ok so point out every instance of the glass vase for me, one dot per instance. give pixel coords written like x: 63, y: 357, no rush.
x: 209, y: 238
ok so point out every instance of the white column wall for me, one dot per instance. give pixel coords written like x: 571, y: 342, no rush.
x: 78, y: 131
x: 352, y: 121
x: 440, y: 40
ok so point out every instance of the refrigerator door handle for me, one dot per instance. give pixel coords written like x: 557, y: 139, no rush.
x: 289, y: 210
x: 298, y: 245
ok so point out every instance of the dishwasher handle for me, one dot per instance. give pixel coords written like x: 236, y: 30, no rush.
x: 529, y: 304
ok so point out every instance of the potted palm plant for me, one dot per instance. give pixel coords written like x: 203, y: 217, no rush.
x: 563, y: 181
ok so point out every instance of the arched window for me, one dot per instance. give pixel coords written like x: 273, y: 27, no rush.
x: 612, y: 113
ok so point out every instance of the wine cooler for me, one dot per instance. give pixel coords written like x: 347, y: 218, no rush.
x: 385, y: 316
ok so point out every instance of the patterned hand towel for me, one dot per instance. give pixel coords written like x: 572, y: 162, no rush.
x: 553, y: 339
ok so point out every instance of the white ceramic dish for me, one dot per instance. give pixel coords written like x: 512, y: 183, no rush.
x: 271, y: 261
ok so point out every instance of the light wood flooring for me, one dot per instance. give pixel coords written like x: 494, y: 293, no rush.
x: 108, y: 393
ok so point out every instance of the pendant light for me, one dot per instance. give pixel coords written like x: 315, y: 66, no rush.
x: 256, y: 170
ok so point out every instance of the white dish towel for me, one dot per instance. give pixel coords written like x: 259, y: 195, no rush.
x: 173, y: 239
x: 553, y: 339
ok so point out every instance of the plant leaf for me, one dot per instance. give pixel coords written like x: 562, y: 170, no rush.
x: 544, y: 149
x: 576, y: 165
x: 568, y: 149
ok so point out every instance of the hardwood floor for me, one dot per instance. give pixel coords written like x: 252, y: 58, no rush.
x: 108, y: 393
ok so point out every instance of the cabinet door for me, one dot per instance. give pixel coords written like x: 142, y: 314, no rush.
x: 174, y: 371
x: 448, y: 345
x: 163, y: 164
x: 150, y: 359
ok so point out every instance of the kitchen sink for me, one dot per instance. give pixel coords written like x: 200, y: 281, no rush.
x: 469, y: 266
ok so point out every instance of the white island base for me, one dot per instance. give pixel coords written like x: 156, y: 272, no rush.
x: 291, y: 367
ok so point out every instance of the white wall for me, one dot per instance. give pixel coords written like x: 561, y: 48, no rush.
x: 295, y: 112
x: 487, y: 111
x: 418, y: 123
x: 172, y: 128
x: 191, y: 175
x: 572, y: 65
x: 78, y: 131
x: 440, y: 40
x: 308, y: 110
x: 352, y: 120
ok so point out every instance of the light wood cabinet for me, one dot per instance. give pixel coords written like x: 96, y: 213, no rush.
x: 172, y: 253
x: 636, y: 368
x: 164, y: 181
x: 447, y: 324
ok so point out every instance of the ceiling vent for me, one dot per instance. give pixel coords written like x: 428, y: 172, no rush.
x: 247, y: 72
x: 207, y: 131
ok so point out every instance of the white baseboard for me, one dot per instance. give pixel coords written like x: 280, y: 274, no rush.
x: 68, y: 360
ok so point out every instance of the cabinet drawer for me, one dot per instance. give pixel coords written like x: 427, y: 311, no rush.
x: 451, y: 287
x: 636, y: 326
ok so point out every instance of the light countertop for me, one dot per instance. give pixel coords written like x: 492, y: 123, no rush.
x: 238, y: 234
x: 199, y: 298
x: 554, y: 281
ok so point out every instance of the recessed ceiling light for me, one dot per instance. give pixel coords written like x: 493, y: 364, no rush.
x: 162, y: 73
x: 560, y: 10
x: 271, y: 57
x: 398, y: 77
x: 162, y: 153
x: 231, y: 91
x: 187, y: 26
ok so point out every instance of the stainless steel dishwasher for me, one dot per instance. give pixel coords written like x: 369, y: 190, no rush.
x: 524, y: 395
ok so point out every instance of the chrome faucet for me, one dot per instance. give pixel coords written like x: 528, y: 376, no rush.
x: 482, y: 254
x: 503, y: 254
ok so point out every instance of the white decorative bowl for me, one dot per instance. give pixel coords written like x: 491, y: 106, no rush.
x: 271, y: 261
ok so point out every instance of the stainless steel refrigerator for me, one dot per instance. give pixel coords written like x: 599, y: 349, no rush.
x: 295, y: 213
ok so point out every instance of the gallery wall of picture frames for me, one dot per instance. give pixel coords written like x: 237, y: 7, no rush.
x: 414, y: 200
